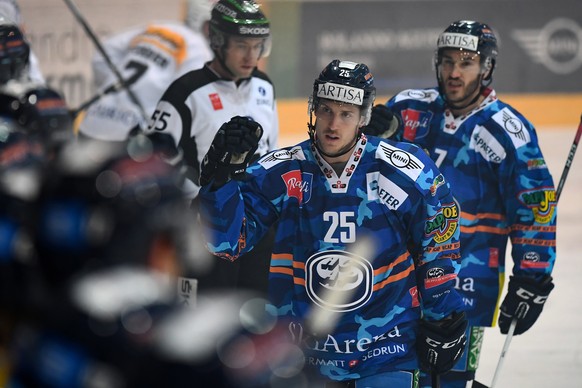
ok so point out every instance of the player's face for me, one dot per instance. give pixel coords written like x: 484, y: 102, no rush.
x: 336, y: 127
x: 460, y: 74
x: 242, y: 56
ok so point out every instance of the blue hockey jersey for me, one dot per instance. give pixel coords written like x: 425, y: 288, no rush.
x: 497, y: 172
x: 371, y: 249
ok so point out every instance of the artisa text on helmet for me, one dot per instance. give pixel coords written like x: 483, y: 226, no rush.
x: 341, y: 93
x: 462, y: 41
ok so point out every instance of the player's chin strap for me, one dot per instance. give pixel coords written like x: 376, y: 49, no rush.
x: 220, y: 55
x: 343, y: 151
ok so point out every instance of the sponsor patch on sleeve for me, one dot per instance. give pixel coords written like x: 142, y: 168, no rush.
x: 485, y: 143
x: 384, y: 190
x: 280, y: 156
x: 402, y: 160
x: 514, y: 127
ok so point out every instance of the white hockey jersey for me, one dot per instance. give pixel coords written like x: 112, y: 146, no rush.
x: 151, y: 57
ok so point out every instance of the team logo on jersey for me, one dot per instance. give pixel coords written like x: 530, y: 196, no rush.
x: 299, y: 185
x: 384, y: 190
x: 437, y: 276
x: 416, y: 123
x: 338, y: 280
x: 513, y: 126
x: 487, y: 145
x: 532, y: 260
x: 542, y: 202
x: 280, y: 156
x: 402, y: 160
x: 215, y: 101
x: 442, y: 225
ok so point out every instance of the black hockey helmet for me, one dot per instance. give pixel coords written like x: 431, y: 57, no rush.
x: 241, y: 18
x: 36, y: 110
x: 347, y: 82
x: 14, y: 51
x: 472, y: 36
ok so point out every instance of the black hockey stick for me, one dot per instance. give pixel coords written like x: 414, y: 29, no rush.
x: 120, y: 85
x: 569, y: 160
x: 100, y: 48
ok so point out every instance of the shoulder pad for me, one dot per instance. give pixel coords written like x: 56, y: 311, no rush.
x: 425, y: 95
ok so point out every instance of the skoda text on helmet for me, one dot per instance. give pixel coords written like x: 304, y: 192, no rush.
x: 14, y: 51
x: 240, y: 18
x: 345, y: 82
x: 469, y: 36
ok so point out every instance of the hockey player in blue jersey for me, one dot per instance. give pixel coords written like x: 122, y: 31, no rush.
x: 489, y: 153
x: 366, y: 250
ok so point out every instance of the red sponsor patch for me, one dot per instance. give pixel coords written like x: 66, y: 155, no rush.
x: 433, y: 282
x: 414, y: 294
x: 534, y: 264
x: 493, y: 257
x: 215, y: 100
x: 353, y: 363
x: 294, y: 184
x: 411, y: 118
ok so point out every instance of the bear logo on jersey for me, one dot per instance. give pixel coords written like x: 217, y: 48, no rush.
x: 338, y: 280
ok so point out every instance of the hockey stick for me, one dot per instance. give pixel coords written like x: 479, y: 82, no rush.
x: 111, y: 89
x: 100, y: 48
x: 569, y: 160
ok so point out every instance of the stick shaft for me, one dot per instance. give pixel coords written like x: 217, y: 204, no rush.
x: 569, y: 160
x: 89, y: 31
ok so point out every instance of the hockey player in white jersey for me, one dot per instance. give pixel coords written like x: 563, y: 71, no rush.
x: 149, y: 58
x: 195, y: 106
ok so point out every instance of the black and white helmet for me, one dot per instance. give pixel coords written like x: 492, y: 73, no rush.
x: 240, y: 18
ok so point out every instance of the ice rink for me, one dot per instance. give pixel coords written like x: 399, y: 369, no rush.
x: 550, y: 353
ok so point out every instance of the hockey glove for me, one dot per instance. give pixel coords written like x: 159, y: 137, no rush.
x: 383, y: 122
x: 231, y: 151
x: 440, y: 344
x: 524, y: 300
